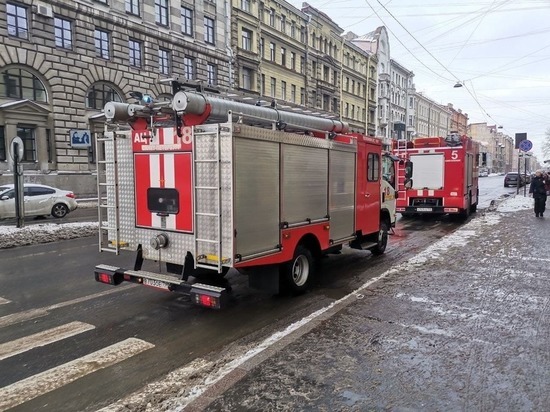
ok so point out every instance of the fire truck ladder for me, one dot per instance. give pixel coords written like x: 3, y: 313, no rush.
x: 107, y: 190
x: 207, y: 202
x: 401, y: 153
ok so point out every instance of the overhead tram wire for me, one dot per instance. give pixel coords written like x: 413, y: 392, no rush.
x: 483, y: 110
x: 404, y: 46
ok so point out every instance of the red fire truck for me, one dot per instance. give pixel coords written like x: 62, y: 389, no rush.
x: 437, y: 175
x: 202, y: 184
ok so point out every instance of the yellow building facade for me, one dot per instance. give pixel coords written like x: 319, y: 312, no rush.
x: 299, y: 59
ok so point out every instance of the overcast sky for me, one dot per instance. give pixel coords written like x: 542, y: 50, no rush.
x: 499, y: 50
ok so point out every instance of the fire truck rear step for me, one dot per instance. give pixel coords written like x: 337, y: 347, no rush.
x: 200, y: 293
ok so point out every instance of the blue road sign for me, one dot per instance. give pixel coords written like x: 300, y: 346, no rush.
x: 80, y: 139
x: 525, y: 145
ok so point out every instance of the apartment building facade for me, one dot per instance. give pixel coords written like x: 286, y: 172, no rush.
x: 60, y: 62
x: 432, y: 119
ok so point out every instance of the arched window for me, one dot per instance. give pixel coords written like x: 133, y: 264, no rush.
x: 22, y: 84
x: 99, y: 94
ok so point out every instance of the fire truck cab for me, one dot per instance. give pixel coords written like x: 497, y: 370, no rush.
x: 437, y: 175
x: 203, y: 184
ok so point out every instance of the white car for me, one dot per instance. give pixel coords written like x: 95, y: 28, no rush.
x: 39, y: 200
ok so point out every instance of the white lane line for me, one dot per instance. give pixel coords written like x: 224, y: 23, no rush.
x: 4, y: 301
x: 37, y: 385
x: 36, y: 313
x: 46, y: 337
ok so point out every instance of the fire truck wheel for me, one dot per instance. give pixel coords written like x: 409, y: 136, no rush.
x: 298, y: 272
x: 382, y: 240
x: 59, y: 210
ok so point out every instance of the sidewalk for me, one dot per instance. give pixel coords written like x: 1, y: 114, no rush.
x: 462, y: 326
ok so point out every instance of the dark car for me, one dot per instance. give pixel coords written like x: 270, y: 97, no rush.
x: 513, y: 179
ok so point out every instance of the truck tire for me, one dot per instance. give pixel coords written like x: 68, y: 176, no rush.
x: 298, y: 272
x: 382, y: 240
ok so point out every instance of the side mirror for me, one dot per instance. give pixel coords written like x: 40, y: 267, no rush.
x: 5, y: 197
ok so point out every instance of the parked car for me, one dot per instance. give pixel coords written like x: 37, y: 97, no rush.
x: 514, y: 179
x: 483, y: 173
x: 39, y: 200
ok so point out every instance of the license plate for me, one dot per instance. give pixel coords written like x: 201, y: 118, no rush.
x: 155, y: 283
x: 423, y: 209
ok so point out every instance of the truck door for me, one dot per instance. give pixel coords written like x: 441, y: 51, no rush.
x: 368, y: 201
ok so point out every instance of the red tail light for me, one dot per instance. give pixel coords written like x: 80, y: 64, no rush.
x: 71, y: 195
x: 104, y: 278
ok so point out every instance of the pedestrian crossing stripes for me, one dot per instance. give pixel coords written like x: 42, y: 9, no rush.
x: 42, y: 338
x: 39, y: 384
x: 4, y: 301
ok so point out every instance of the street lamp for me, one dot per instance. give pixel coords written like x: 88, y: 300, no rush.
x: 458, y: 84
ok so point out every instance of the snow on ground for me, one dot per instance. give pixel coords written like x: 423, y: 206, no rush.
x: 12, y: 236
x: 513, y: 204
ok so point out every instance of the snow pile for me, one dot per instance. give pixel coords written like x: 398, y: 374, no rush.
x: 513, y: 204
x: 11, y: 236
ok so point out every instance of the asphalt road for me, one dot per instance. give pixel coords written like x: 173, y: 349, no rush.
x: 70, y: 343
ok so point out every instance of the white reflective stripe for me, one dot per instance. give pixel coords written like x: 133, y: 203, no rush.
x: 169, y: 137
x: 4, y: 301
x: 170, y: 181
x: 419, y: 192
x: 36, y: 313
x: 430, y: 192
x: 154, y: 181
x: 46, y: 337
x: 37, y: 385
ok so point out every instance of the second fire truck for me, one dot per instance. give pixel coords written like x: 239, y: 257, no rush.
x: 203, y: 184
x: 437, y: 175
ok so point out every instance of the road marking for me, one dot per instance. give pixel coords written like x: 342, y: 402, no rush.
x: 36, y: 313
x: 37, y: 385
x: 46, y: 337
x: 4, y: 301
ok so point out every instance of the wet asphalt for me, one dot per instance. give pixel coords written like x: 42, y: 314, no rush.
x: 464, y: 326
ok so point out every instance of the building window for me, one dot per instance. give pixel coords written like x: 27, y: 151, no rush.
x: 63, y: 33
x: 189, y: 68
x: 262, y: 91
x: 283, y: 24
x: 164, y: 61
x: 212, y: 74
x: 302, y: 64
x: 187, y: 21
x: 132, y: 7
x: 21, y: 84
x: 303, y: 36
x: 283, y: 56
x: 2, y: 144
x: 246, y: 40
x: 99, y: 94
x: 272, y: 51
x: 209, y: 30
x: 273, y: 86
x: 293, y: 93
x: 283, y: 90
x: 29, y: 143
x: 102, y: 44
x: 161, y: 12
x: 134, y: 49
x: 247, y: 78
x: 17, y: 21
x: 272, y: 17
x: 293, y: 60
x: 302, y: 95
x: 293, y: 30
x: 245, y: 5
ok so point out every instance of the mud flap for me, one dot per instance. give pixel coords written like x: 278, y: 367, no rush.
x: 265, y: 279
